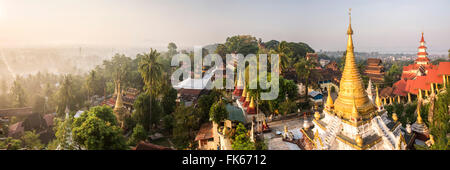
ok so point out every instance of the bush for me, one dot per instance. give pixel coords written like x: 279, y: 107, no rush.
x: 139, y: 134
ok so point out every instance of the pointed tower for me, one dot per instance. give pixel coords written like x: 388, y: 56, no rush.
x: 422, y: 54
x: 251, y: 107
x: 351, y: 89
x: 329, y: 104
x: 244, y: 93
x: 239, y: 86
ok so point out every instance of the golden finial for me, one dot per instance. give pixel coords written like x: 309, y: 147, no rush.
x: 355, y: 113
x: 394, y: 117
x: 377, y: 99
x: 359, y: 140
x: 350, y: 31
x: 329, y: 99
x: 317, y: 115
x: 419, y: 117
x: 247, y: 99
x: 245, y: 92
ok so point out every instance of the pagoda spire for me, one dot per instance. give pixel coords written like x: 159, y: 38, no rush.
x: 329, y: 104
x: 351, y: 89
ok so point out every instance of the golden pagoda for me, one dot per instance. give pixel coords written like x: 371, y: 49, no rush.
x: 355, y: 121
x: 351, y: 89
x: 247, y: 100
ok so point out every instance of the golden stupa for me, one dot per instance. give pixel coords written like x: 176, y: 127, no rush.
x: 351, y: 88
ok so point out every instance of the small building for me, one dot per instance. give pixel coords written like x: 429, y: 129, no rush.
x: 205, y: 137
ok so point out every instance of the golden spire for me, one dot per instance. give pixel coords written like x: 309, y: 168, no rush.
x: 247, y: 99
x: 355, y: 113
x: 245, y: 92
x: 329, y: 99
x: 419, y: 117
x: 119, y: 102
x: 351, y: 89
x: 350, y: 30
x: 377, y: 99
x: 252, y: 104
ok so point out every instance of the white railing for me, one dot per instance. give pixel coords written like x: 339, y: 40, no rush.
x: 387, y: 136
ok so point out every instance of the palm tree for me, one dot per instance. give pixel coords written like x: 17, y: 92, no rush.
x: 283, y: 52
x: 90, y: 83
x: 304, y: 70
x: 151, y: 74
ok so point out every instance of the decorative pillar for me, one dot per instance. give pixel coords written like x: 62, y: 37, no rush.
x: 426, y: 93
x: 409, y: 97
x: 444, y: 81
x: 432, y: 88
x: 398, y: 100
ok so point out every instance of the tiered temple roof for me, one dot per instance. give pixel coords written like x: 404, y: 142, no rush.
x: 375, y: 70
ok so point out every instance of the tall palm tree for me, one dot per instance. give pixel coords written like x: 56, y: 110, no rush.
x: 90, y: 83
x: 304, y: 70
x: 283, y: 52
x: 150, y: 71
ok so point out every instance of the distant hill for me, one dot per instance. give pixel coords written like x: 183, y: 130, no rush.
x: 211, y: 47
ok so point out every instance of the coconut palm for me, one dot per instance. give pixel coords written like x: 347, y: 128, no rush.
x: 151, y: 72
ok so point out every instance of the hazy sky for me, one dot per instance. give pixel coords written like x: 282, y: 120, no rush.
x: 388, y: 26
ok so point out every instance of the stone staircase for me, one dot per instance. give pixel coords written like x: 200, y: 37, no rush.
x: 387, y: 136
x: 333, y: 127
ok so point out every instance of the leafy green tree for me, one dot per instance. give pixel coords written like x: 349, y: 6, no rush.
x: 11, y: 144
x: 440, y: 127
x: 243, y: 44
x: 218, y: 112
x: 287, y: 107
x: 204, y: 104
x: 139, y: 134
x: 96, y: 130
x: 172, y: 49
x: 31, y: 140
x: 39, y: 105
x: 272, y: 44
x: 151, y: 74
x: 65, y: 95
x: 144, y: 114
x: 18, y: 94
x: 184, y: 123
x: 304, y: 71
x: 222, y: 51
x: 241, y: 139
x: 169, y: 100
x: 63, y: 134
x: 168, y: 122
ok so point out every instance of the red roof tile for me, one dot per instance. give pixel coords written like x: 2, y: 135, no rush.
x: 443, y: 68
